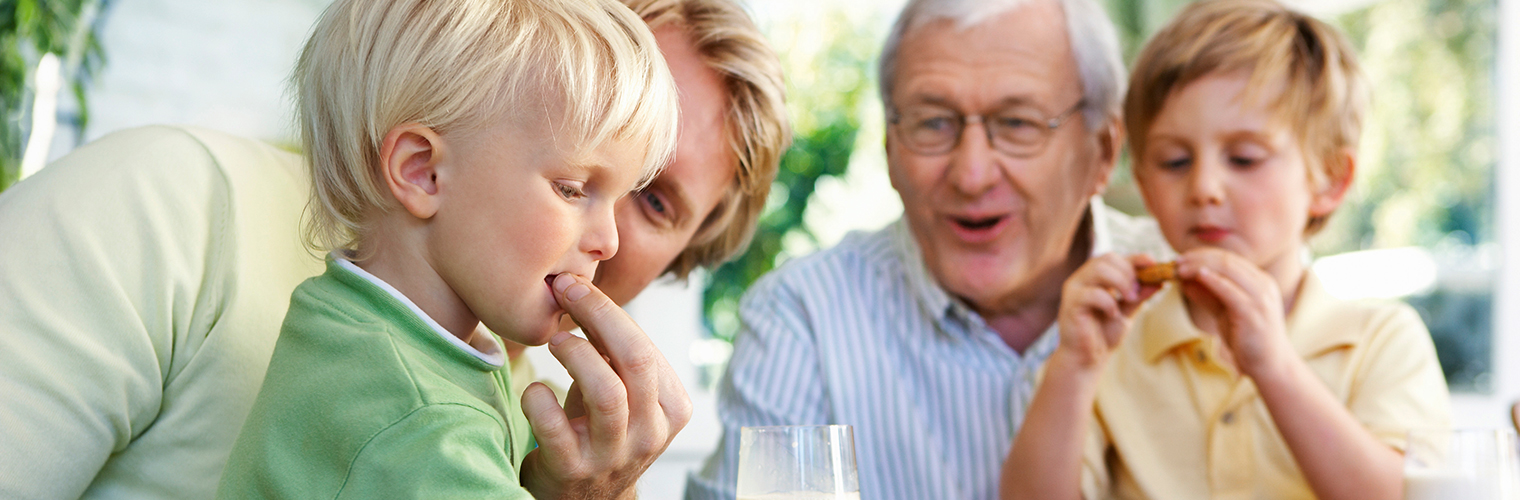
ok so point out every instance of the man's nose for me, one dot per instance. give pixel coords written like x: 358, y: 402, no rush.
x: 973, y: 169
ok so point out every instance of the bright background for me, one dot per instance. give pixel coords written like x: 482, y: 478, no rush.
x: 1431, y: 221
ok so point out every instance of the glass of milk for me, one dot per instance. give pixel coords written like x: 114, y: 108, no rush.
x: 1468, y: 464
x: 798, y: 462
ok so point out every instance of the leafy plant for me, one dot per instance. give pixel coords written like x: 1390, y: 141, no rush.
x: 827, y: 68
x: 1428, y: 157
x: 29, y: 29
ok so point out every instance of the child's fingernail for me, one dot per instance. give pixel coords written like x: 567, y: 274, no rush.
x: 559, y: 338
x: 563, y: 281
x: 576, y: 292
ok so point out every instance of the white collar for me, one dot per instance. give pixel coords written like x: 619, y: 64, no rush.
x: 489, y: 351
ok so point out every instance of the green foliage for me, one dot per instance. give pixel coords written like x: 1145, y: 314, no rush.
x: 28, y: 29
x: 827, y: 80
x: 1426, y: 171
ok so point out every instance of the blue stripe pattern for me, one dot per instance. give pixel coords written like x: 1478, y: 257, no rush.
x: 859, y: 334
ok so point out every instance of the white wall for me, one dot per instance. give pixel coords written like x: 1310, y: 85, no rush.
x: 1491, y: 410
x: 220, y: 65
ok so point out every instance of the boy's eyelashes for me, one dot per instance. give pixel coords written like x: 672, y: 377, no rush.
x: 1237, y: 161
x: 1247, y: 153
x: 570, y: 190
x: 1175, y: 163
x: 1244, y: 156
x: 1243, y: 161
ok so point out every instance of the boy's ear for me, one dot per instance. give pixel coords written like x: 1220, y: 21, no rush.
x: 1328, y: 197
x: 409, y: 160
x: 1110, y: 142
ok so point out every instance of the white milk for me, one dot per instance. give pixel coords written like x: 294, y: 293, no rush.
x: 803, y: 495
x: 1425, y: 484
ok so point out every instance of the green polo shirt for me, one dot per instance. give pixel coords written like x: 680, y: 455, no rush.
x: 363, y: 399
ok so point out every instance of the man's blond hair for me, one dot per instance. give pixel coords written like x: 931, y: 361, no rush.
x: 459, y: 66
x: 755, y: 121
x: 1323, y: 96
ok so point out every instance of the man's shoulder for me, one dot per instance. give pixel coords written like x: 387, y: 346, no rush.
x: 857, y: 251
x: 861, y: 261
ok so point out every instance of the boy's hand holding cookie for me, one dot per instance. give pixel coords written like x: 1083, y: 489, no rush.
x: 1097, y: 303
x: 624, y: 408
x: 1243, y: 302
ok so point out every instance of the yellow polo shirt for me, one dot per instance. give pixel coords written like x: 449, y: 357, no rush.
x: 1172, y: 422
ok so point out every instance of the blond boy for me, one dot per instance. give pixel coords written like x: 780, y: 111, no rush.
x: 1244, y: 378
x: 466, y: 157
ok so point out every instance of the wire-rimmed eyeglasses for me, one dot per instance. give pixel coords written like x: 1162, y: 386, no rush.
x: 1016, y: 130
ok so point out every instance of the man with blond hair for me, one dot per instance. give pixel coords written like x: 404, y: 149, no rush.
x: 927, y: 336
x: 703, y: 208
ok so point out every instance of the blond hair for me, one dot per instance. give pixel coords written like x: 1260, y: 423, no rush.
x: 459, y: 65
x: 1324, y: 93
x: 755, y: 121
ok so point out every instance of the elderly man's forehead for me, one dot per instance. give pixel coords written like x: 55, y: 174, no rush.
x: 968, y: 13
x: 1016, y: 57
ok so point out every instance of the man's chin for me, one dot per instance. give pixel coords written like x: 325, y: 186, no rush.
x: 980, y: 286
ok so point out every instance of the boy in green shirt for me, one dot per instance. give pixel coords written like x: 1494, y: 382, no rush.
x: 466, y: 157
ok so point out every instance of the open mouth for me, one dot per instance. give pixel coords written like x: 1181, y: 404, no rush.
x: 977, y: 223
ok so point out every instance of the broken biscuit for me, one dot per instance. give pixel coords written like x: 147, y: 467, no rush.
x: 1157, y: 274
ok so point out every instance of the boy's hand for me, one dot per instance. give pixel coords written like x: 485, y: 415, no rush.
x: 624, y: 408
x: 1097, y: 303
x: 1244, y: 301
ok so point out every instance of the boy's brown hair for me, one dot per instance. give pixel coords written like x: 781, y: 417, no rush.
x: 1324, y: 93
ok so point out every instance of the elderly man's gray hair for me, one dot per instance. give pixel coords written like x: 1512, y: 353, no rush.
x: 1094, y: 45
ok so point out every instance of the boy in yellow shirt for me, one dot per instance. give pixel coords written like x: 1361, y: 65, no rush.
x: 1242, y: 378
x: 466, y: 159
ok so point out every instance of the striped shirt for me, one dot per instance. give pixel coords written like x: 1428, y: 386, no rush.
x: 860, y: 334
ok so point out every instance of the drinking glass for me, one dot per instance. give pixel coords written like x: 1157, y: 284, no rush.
x: 798, y: 462
x: 1469, y: 464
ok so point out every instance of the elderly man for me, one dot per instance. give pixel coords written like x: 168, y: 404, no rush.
x: 927, y: 336
x: 143, y: 277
